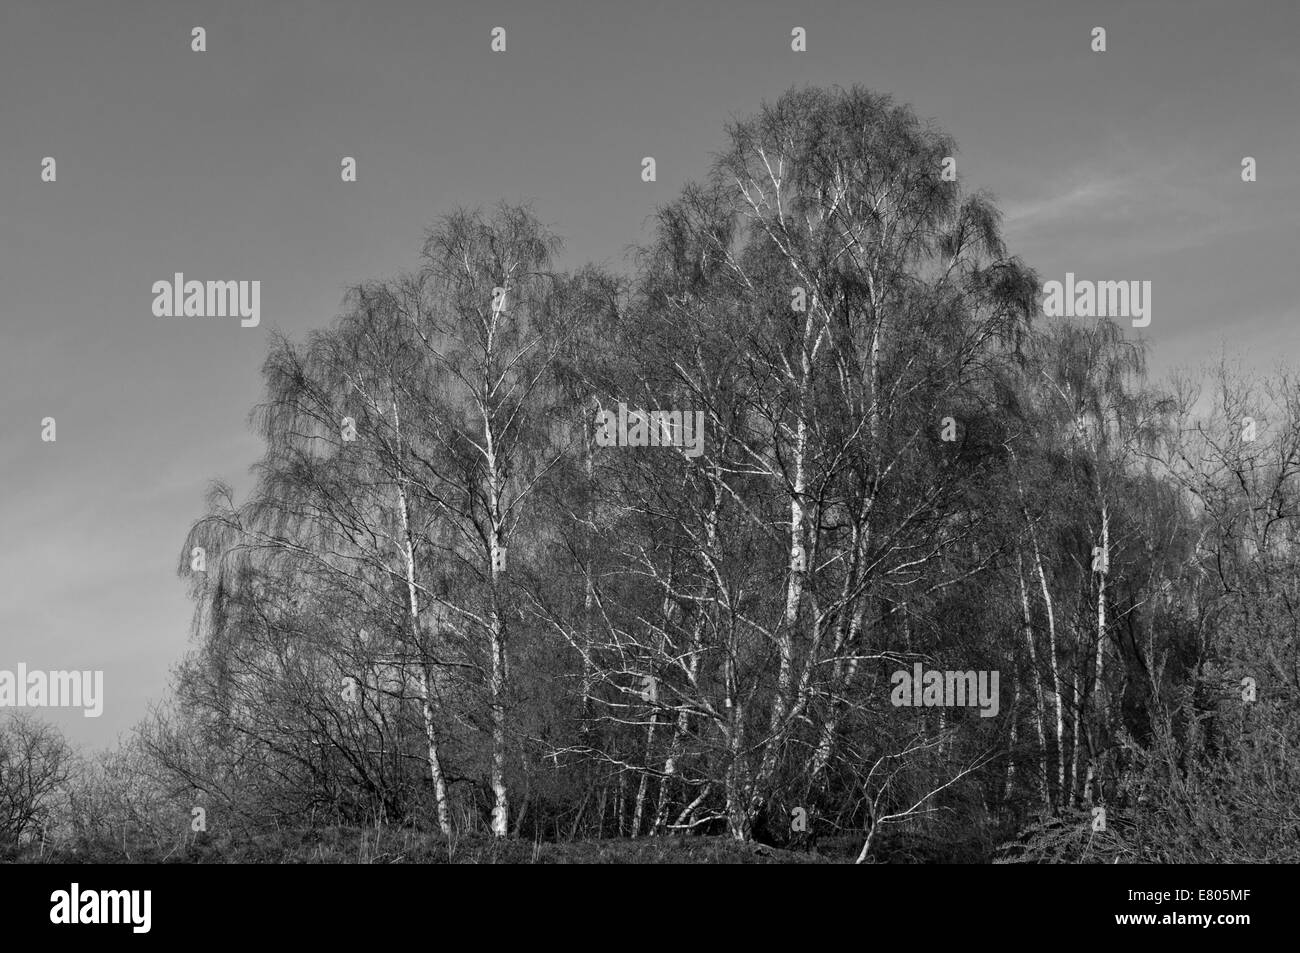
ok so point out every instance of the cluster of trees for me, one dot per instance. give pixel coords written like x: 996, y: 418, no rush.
x: 35, y: 766
x: 444, y: 600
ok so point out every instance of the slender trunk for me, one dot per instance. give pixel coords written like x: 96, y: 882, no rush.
x: 661, y: 815
x: 1098, y: 686
x: 582, y: 809
x: 621, y: 807
x: 497, y: 648
x: 738, y: 818
x: 692, y: 672
x: 497, y: 555
x: 426, y: 695
x: 1027, y: 628
x: 1011, y: 745
x: 842, y: 675
x: 1062, y: 756
x: 589, y: 598
x: 797, y: 569
x: 1078, y: 680
x: 679, y: 732
x: 797, y: 573
x: 413, y: 605
x: 639, y: 809
x: 435, y: 766
x: 684, y: 818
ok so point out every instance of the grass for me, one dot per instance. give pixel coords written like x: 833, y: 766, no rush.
x: 356, y: 845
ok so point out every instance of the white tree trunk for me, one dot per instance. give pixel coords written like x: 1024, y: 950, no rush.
x: 1027, y: 628
x: 413, y: 605
x: 1062, y: 755
x: 1098, y: 686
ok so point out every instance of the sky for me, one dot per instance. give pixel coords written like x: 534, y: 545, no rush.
x: 225, y: 165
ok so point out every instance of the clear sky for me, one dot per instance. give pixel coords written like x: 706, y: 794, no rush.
x: 225, y: 165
